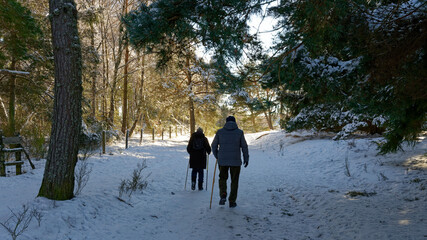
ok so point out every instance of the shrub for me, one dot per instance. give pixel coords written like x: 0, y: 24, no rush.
x: 136, y: 182
x: 81, y: 175
x: 19, y: 221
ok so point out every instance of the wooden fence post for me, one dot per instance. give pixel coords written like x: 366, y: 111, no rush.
x: 162, y: 132
x: 2, y: 166
x: 127, y: 139
x: 170, y: 132
x: 103, y: 142
x: 153, y: 134
x: 18, y: 159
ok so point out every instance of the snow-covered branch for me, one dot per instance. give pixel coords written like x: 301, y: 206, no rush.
x: 13, y: 72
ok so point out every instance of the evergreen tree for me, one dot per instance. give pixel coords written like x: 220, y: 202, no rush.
x: 20, y: 44
x: 172, y: 28
x: 353, y: 65
x: 169, y: 27
x: 339, y: 65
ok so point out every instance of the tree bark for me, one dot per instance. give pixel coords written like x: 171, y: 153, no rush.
x: 58, y: 178
x: 125, y: 82
x: 104, y: 73
x: 12, y: 84
x: 106, y: 68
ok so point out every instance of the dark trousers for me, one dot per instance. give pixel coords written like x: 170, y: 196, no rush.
x: 223, y: 176
x: 194, y: 174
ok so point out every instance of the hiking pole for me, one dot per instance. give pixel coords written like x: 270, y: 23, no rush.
x: 213, y: 181
x: 207, y: 170
x: 186, y: 176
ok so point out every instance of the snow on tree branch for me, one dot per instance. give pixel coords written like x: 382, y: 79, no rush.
x: 13, y: 72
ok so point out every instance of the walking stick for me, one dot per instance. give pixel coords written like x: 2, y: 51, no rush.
x: 186, y: 176
x: 207, y: 171
x: 213, y: 181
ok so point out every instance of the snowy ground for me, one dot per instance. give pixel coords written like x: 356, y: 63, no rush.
x: 295, y: 187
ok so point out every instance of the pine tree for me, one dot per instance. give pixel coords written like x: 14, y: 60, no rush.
x: 58, y: 178
x: 347, y: 66
x: 340, y: 65
x: 20, y: 34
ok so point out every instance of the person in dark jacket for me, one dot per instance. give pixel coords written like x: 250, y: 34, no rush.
x: 197, y: 147
x: 226, y: 147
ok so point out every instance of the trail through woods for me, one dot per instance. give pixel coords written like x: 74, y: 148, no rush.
x: 296, y: 187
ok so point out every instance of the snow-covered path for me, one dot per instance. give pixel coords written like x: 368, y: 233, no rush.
x: 293, y: 188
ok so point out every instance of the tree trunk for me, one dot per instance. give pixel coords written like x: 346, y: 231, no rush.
x: 58, y: 178
x: 104, y: 73
x: 268, y: 114
x: 12, y: 84
x: 125, y: 82
x: 140, y: 101
x: 253, y: 116
x: 265, y: 109
x: 282, y: 115
x: 270, y: 121
x: 141, y: 87
x: 5, y: 111
x: 94, y: 71
x: 115, y: 73
x: 268, y: 118
x: 190, y: 98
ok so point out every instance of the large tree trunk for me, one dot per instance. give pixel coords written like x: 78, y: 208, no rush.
x: 58, y: 179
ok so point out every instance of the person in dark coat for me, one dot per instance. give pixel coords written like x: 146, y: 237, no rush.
x: 197, y: 147
x: 227, y: 146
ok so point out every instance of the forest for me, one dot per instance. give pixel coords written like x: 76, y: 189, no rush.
x: 71, y: 69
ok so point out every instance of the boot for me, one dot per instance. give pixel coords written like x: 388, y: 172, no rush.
x: 223, y: 199
x: 193, y: 185
x: 200, y: 186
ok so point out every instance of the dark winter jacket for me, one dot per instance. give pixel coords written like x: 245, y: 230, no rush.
x: 198, y: 157
x: 228, y: 143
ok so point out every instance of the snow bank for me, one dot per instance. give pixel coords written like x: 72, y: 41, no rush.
x: 297, y: 186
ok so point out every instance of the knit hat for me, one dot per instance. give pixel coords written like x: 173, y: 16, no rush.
x: 199, y: 130
x: 230, y: 119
